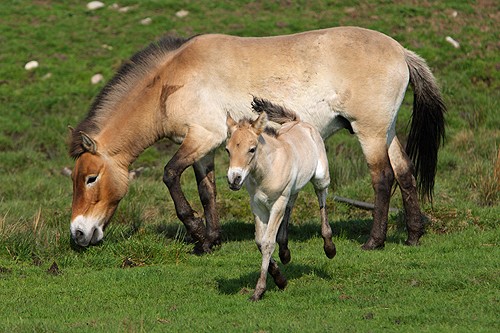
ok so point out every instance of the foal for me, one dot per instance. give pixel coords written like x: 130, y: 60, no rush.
x: 274, y: 166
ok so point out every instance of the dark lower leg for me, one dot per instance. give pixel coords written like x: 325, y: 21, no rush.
x: 413, y: 216
x: 205, y: 177
x: 194, y: 225
x: 382, y: 180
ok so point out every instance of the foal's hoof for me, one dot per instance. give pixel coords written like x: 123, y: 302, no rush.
x: 285, y: 256
x: 371, y: 244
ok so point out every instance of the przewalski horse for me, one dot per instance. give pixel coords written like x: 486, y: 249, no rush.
x: 182, y: 89
x: 274, y: 167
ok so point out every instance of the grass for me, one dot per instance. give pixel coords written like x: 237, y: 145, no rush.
x: 142, y: 277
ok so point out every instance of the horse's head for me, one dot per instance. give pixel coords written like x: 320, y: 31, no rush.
x: 99, y: 183
x: 242, y: 148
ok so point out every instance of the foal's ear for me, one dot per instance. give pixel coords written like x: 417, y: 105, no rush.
x: 231, y: 124
x: 88, y: 143
x: 260, y: 123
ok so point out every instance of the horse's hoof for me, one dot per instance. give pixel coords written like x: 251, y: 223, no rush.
x: 412, y: 242
x: 285, y: 256
x: 330, y: 250
x: 281, y: 281
x: 371, y: 244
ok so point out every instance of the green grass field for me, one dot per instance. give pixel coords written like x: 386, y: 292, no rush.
x: 142, y: 277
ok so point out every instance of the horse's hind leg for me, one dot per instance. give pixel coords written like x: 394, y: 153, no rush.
x: 375, y: 151
x: 402, y: 166
x: 197, y: 143
x: 205, y: 177
x: 282, y: 237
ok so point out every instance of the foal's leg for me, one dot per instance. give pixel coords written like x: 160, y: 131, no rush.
x: 375, y: 151
x: 261, y: 220
x: 282, y: 237
x: 197, y: 143
x: 402, y: 166
x: 205, y: 177
x: 326, y: 230
x: 267, y: 246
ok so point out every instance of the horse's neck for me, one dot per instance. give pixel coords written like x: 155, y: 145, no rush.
x: 267, y: 154
x: 128, y: 133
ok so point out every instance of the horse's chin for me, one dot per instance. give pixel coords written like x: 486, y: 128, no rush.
x: 235, y: 187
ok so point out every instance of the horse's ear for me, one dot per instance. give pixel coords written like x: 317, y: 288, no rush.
x: 231, y: 124
x: 88, y: 143
x: 71, y: 129
x: 260, y: 123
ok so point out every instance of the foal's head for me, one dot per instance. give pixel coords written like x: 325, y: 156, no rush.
x: 242, y: 148
x: 99, y: 183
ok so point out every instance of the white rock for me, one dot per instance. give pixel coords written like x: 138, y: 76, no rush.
x: 452, y: 42
x: 182, y: 13
x: 47, y: 76
x: 146, y: 21
x: 96, y: 78
x: 93, y: 5
x: 123, y: 9
x: 454, y: 14
x: 31, y: 65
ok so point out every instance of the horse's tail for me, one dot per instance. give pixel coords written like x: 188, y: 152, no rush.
x: 276, y: 113
x: 427, y: 129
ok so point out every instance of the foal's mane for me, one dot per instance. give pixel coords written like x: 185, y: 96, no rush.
x: 123, y: 81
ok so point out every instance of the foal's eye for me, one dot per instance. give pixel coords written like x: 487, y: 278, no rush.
x: 227, y: 151
x: 251, y: 150
x: 91, y: 179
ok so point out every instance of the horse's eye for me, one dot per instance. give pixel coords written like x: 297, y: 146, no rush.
x: 227, y: 150
x: 91, y: 179
x: 251, y: 150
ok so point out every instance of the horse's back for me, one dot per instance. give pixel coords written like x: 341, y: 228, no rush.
x: 320, y: 74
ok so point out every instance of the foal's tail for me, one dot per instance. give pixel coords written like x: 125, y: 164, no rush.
x: 276, y: 113
x: 427, y: 130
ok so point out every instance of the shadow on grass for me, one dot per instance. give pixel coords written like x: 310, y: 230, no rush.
x: 291, y: 271
x: 357, y: 230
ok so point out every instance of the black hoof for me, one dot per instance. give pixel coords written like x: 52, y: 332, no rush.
x: 371, y: 244
x: 285, y: 256
x: 330, y: 250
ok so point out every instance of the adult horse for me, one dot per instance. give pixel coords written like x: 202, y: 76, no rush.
x: 183, y: 89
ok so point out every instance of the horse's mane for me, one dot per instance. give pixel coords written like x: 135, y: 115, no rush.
x: 249, y: 121
x: 276, y: 113
x: 133, y: 69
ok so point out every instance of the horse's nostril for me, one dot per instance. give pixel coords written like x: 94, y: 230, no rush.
x: 237, y: 179
x: 79, y: 235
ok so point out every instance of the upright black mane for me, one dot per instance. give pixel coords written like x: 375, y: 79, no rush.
x: 131, y: 70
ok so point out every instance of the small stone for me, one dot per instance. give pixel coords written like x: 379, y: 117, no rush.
x: 96, y: 78
x: 146, y: 21
x: 123, y: 9
x: 93, y: 5
x: 47, y: 76
x: 452, y: 42
x: 31, y: 65
x: 182, y: 13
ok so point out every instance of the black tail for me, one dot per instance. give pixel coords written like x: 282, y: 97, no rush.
x: 275, y: 113
x: 427, y: 129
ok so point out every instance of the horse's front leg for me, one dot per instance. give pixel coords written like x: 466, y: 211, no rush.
x: 267, y: 245
x: 282, y: 237
x: 198, y: 143
x: 205, y: 177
